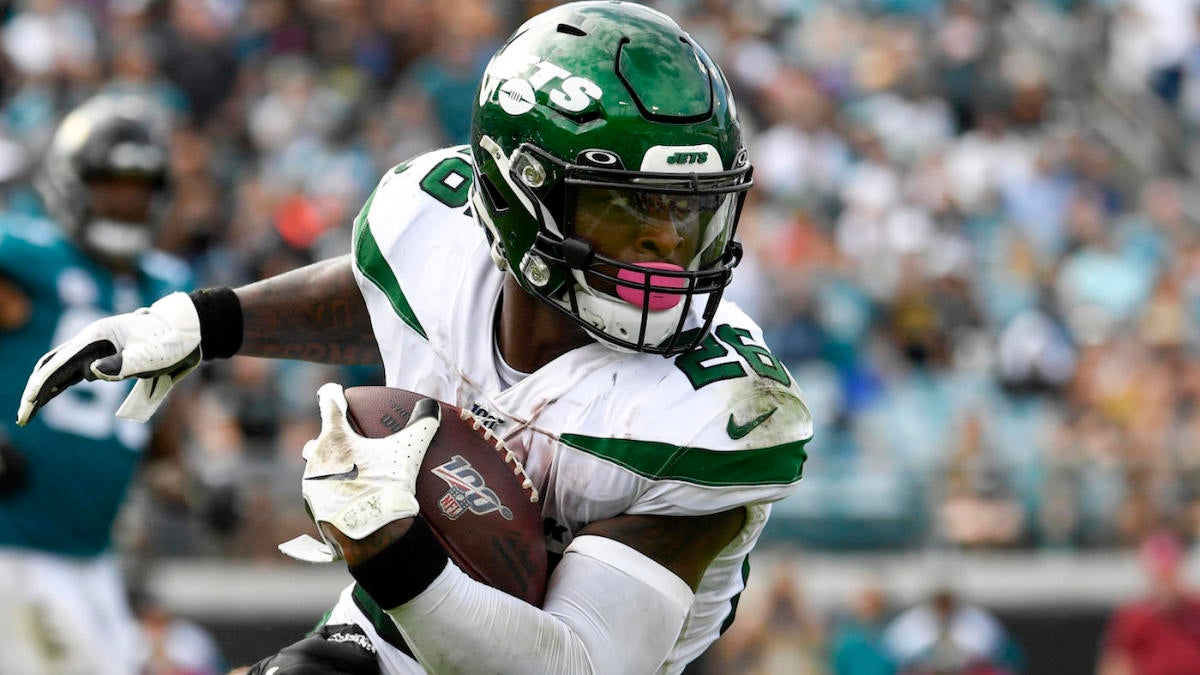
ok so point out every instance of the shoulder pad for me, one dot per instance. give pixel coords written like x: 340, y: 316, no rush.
x: 439, y: 175
x: 412, y: 235
x: 30, y: 230
x: 32, y: 247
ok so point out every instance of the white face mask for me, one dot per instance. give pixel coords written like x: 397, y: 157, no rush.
x: 116, y: 239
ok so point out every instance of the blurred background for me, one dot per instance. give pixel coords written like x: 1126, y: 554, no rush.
x: 974, y: 242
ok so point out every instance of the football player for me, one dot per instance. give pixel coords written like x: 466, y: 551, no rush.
x: 63, y: 477
x: 561, y: 278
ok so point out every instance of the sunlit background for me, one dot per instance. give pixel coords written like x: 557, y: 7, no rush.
x: 973, y: 241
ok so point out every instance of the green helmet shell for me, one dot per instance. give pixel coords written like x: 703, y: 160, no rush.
x: 599, y: 85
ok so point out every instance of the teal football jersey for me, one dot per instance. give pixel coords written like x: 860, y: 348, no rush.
x: 81, y: 457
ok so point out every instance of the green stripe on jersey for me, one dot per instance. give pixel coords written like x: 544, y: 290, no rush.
x: 379, y: 619
x: 733, y: 602
x: 776, y: 465
x: 372, y: 264
x: 320, y: 624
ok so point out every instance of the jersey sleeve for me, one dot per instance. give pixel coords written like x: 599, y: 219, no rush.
x: 710, y: 471
x: 706, y: 431
x: 412, y: 230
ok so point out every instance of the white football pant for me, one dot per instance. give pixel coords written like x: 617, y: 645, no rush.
x: 64, y: 616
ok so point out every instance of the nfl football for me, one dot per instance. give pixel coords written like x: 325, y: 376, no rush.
x: 471, y: 490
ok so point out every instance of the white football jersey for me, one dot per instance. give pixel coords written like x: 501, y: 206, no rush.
x: 600, y: 432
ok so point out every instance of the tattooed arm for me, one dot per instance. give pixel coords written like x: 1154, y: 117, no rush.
x: 315, y: 313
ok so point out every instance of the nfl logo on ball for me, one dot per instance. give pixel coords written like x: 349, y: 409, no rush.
x: 468, y: 491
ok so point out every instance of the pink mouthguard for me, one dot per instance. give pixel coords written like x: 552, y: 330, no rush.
x: 657, y: 301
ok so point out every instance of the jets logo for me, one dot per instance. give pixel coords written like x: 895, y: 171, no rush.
x: 688, y: 158
x: 513, y: 78
x: 468, y: 491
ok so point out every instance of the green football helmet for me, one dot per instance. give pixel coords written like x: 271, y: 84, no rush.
x: 610, y: 172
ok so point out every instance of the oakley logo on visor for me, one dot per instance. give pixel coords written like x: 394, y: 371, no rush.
x: 601, y: 158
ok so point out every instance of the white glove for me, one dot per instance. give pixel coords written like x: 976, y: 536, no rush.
x: 159, y: 344
x: 359, y: 484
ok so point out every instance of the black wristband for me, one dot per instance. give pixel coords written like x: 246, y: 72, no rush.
x: 404, y: 569
x: 220, y: 314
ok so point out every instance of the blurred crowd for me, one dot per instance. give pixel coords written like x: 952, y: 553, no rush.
x: 975, y: 247
x: 872, y: 631
x: 778, y: 632
x: 972, y: 239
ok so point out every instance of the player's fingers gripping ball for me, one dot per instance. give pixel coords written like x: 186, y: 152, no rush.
x: 360, y: 484
x: 471, y: 489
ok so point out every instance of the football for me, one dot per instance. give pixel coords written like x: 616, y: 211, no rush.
x: 471, y: 490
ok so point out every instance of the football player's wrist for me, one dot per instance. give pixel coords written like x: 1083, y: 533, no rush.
x: 404, y: 569
x: 220, y: 313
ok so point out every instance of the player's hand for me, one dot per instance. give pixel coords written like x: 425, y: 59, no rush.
x: 333, y: 649
x: 159, y: 344
x: 357, y: 484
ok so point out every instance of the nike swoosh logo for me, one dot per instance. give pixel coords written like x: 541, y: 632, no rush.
x: 737, y: 431
x: 345, y: 475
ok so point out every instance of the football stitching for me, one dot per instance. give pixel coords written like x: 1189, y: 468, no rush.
x: 501, y: 447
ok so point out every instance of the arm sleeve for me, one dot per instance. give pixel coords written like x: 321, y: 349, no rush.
x: 608, y: 609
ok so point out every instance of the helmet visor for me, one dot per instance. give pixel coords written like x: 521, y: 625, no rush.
x: 638, y: 226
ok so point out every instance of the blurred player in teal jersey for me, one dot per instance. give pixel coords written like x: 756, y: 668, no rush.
x: 104, y: 182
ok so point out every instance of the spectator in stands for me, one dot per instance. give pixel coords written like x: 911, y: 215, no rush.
x: 1158, y: 633
x: 978, y: 509
x: 775, y: 632
x: 948, y: 635
x: 856, y: 645
x: 173, y: 645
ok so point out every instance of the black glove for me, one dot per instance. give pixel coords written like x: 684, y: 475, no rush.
x: 12, y: 470
x: 342, y: 649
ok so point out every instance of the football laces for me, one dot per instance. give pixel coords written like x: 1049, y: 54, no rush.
x: 498, y: 444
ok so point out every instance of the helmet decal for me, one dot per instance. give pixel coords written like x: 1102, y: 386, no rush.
x: 682, y: 159
x: 601, y: 158
x: 513, y: 77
